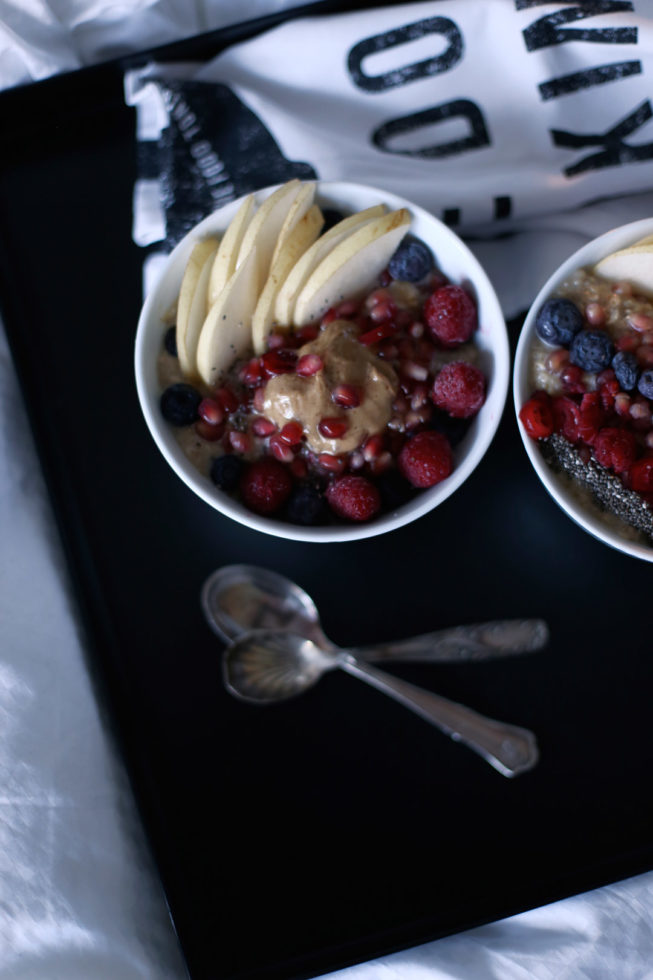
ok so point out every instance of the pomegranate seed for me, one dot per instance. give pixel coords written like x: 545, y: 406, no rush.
x: 372, y: 448
x: 276, y: 341
x: 333, y: 426
x: 628, y: 342
x: 259, y: 399
x: 349, y: 396
x: 309, y: 332
x: 381, y: 463
x: 640, y: 322
x: 557, y: 360
x: 208, y: 430
x: 396, y: 423
x: 416, y: 418
x: 298, y: 468
x: 348, y: 308
x: 292, y: 433
x: 278, y: 362
x: 382, y: 312
x: 376, y: 334
x: 335, y: 464
x: 263, y: 427
x: 211, y: 411
x: 595, y: 314
x: 240, y: 441
x: 400, y: 405
x: 226, y: 397
x: 644, y: 355
x: 376, y: 297
x: 309, y: 364
x: 416, y: 330
x: 572, y: 379
x: 419, y: 396
x: 388, y: 349
x: 622, y: 404
x: 356, y: 460
x: 329, y: 316
x: 250, y: 373
x: 280, y: 449
x: 413, y: 370
x: 639, y: 410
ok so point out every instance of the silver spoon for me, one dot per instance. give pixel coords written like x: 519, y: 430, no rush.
x: 264, y: 666
x: 240, y: 598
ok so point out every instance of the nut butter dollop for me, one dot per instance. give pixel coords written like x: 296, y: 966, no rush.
x: 291, y: 397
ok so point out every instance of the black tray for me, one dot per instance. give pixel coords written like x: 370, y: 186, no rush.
x: 300, y: 838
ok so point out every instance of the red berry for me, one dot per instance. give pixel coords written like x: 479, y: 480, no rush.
x: 537, y: 416
x: 572, y: 379
x: 354, y: 498
x: 278, y: 362
x: 450, y: 315
x: 378, y: 333
x: 333, y: 427
x: 309, y: 364
x: 280, y: 449
x: 641, y: 475
x: 209, y: 431
x: 459, y: 389
x: 211, y: 411
x: 292, y: 433
x: 566, y: 418
x: 590, y: 416
x: 426, y: 459
x: 615, y: 448
x: 266, y: 485
x: 349, y: 396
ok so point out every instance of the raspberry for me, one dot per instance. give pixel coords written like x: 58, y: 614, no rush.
x: 616, y: 449
x: 536, y: 416
x: 459, y: 389
x: 590, y: 416
x: 426, y: 459
x: 641, y: 475
x: 566, y: 418
x: 265, y: 485
x: 354, y: 498
x: 450, y: 315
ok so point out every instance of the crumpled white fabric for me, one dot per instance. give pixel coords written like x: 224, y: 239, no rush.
x: 79, y: 898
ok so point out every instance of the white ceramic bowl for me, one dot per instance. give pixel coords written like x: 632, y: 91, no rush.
x: 453, y: 258
x: 557, y: 486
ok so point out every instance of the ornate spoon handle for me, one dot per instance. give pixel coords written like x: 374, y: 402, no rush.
x: 482, y: 641
x: 511, y: 750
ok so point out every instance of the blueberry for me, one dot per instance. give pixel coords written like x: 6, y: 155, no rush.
x: 626, y: 369
x: 454, y: 429
x: 170, y: 341
x: 645, y: 383
x: 591, y: 350
x: 307, y: 506
x: 558, y: 322
x: 331, y: 218
x: 226, y: 471
x: 179, y: 404
x: 412, y: 261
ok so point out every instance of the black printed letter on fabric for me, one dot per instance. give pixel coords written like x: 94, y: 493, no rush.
x: 214, y: 150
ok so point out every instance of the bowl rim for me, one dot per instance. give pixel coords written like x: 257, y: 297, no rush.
x: 426, y: 500
x: 588, y: 254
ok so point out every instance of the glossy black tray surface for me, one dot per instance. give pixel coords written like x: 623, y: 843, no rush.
x: 300, y: 838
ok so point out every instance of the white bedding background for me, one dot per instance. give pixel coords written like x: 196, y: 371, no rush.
x: 78, y: 896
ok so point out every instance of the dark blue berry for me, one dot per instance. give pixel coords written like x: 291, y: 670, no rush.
x: 179, y: 404
x: 412, y: 261
x: 626, y: 368
x: 558, y: 322
x: 454, y: 429
x: 645, y: 383
x: 307, y: 506
x: 591, y: 350
x: 170, y: 341
x: 331, y: 218
x: 226, y: 471
x: 395, y: 489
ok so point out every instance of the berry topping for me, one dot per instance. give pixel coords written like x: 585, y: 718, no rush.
x: 641, y: 475
x: 179, y: 404
x: 278, y: 362
x: 566, y: 418
x: 292, y: 433
x: 266, y: 485
x: 645, y: 384
x: 170, y: 341
x: 333, y: 427
x: 558, y: 322
x: 626, y: 369
x: 354, y: 497
x: 307, y: 505
x: 349, y: 396
x: 426, y: 459
x: 309, y: 364
x: 536, y: 416
x: 226, y: 472
x: 591, y: 416
x: 591, y: 350
x: 615, y: 448
x: 211, y: 411
x: 459, y: 389
x: 412, y: 261
x: 450, y: 315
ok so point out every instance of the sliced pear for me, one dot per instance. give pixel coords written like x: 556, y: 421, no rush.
x: 263, y: 230
x: 300, y: 238
x: 224, y: 264
x: 298, y: 275
x: 191, y: 307
x: 226, y: 333
x: 634, y: 265
x: 351, y: 267
x: 302, y: 203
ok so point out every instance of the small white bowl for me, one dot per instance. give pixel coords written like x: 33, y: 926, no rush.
x: 455, y: 261
x: 557, y: 486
